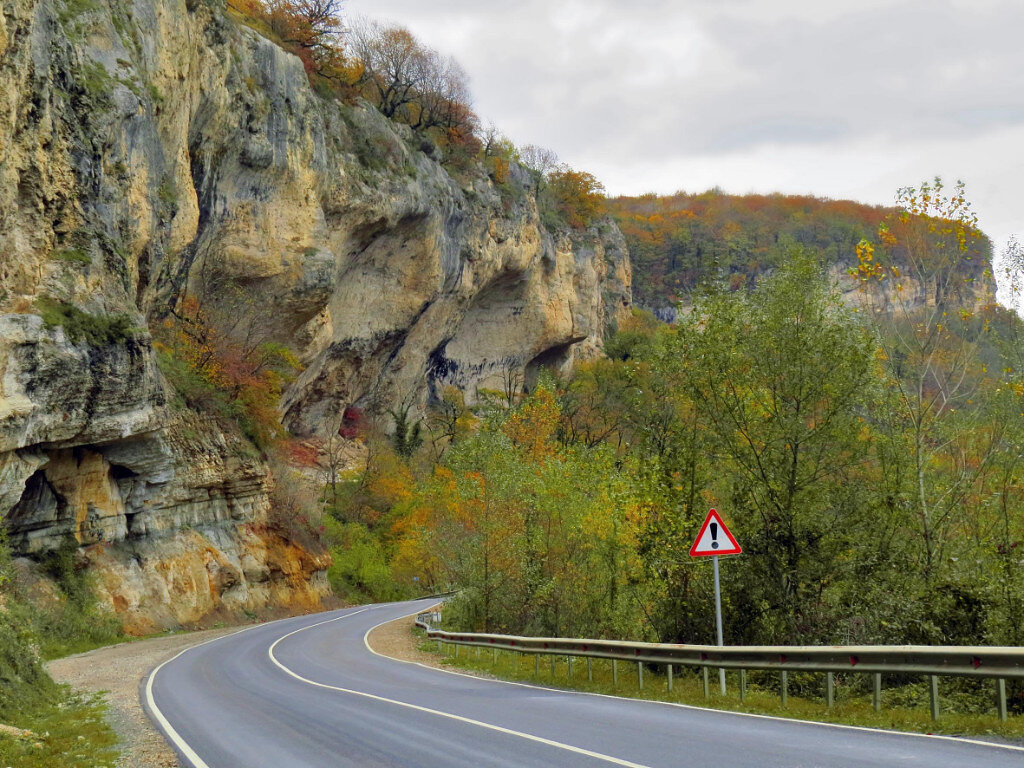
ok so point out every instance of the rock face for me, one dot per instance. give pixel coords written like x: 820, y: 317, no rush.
x: 155, y: 149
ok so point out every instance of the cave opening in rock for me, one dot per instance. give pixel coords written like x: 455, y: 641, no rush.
x: 552, y: 359
x: 39, y: 521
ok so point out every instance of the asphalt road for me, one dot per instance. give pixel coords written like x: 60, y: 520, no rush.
x: 307, y: 692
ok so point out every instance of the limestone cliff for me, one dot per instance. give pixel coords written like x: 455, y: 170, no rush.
x: 155, y: 148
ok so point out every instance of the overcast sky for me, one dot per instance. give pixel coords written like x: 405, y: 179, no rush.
x: 837, y: 98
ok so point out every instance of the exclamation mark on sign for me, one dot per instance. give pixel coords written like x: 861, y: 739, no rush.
x: 714, y: 535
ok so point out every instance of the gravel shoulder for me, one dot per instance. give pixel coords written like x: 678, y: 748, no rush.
x: 118, y: 670
x: 395, y: 639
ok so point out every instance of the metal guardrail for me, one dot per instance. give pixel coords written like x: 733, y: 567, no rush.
x: 997, y: 663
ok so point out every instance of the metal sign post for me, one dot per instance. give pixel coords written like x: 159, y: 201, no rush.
x: 718, y: 619
x: 708, y: 544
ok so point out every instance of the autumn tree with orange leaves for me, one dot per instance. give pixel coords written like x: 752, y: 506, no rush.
x: 310, y: 29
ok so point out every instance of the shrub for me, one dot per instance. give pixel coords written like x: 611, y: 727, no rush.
x: 97, y: 330
x: 571, y: 198
x: 79, y: 624
x: 23, y: 683
x: 74, y: 256
x: 222, y: 362
x: 359, y: 570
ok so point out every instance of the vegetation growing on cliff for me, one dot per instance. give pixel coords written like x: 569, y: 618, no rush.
x: 218, y: 353
x: 95, y: 329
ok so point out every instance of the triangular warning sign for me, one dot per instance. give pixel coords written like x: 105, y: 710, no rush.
x: 714, y: 539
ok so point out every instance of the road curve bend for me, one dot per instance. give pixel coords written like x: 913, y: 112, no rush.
x: 307, y: 692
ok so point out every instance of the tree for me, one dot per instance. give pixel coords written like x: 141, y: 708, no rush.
x: 390, y: 60
x: 1013, y: 268
x: 310, y: 29
x: 406, y: 438
x: 220, y: 350
x: 412, y: 83
x: 918, y: 280
x: 781, y: 378
x: 540, y: 160
x: 574, y: 198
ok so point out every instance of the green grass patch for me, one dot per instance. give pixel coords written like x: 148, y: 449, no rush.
x: 156, y: 97
x: 70, y: 732
x: 98, y: 330
x: 74, y: 256
x: 903, y: 709
x: 96, y: 82
x: 75, y: 9
x: 166, y: 192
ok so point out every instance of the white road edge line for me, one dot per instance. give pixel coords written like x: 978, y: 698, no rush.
x: 438, y: 713
x: 939, y: 736
x: 172, y: 735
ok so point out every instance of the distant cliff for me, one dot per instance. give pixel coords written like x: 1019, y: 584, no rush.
x: 147, y: 146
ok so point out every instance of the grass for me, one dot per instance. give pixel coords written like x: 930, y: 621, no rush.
x: 69, y: 733
x: 97, y: 330
x: 97, y: 82
x: 166, y: 192
x: 901, y: 710
x: 74, y: 256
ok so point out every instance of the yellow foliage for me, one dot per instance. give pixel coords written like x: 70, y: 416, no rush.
x: 532, y: 427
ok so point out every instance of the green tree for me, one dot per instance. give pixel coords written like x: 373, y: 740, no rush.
x: 781, y: 378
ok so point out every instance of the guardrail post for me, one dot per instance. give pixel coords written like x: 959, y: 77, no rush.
x: 876, y: 693
x: 536, y: 665
x: 933, y: 689
x: 743, y: 685
x: 707, y: 688
x: 830, y: 689
x: 590, y: 671
x: 478, y: 651
x: 552, y: 666
x: 456, y: 650
x: 615, y: 671
x: 1001, y: 696
x: 568, y: 661
x: 785, y: 687
x: 494, y: 656
x: 669, y: 678
x: 640, y: 675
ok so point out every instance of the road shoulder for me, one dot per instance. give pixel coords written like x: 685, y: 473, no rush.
x: 396, y: 640
x: 118, y: 670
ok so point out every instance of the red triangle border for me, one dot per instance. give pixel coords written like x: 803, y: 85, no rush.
x: 736, y: 548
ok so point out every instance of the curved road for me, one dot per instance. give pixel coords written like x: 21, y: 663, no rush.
x: 307, y: 692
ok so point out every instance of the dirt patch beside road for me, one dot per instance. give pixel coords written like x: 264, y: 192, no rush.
x: 395, y: 639
x: 118, y: 670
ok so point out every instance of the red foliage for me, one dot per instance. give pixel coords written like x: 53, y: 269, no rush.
x: 352, y: 423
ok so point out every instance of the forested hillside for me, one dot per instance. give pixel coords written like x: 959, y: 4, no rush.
x: 677, y: 242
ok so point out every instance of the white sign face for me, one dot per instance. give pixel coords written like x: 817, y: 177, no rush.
x: 714, y: 539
